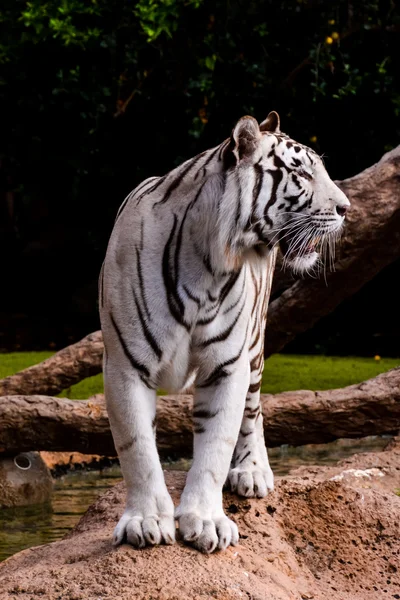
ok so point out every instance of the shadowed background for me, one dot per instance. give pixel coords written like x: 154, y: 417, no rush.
x: 97, y: 96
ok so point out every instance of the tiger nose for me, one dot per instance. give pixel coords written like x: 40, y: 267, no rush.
x: 341, y: 209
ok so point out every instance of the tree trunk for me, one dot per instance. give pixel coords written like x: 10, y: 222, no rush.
x: 294, y: 418
x: 370, y: 242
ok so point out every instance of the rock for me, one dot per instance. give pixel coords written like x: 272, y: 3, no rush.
x: 24, y: 479
x: 325, y: 533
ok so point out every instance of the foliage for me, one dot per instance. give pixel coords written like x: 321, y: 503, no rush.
x: 80, y: 76
x: 95, y: 95
x: 283, y: 372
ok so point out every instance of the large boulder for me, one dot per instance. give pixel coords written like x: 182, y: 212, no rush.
x: 325, y: 533
x: 24, y: 480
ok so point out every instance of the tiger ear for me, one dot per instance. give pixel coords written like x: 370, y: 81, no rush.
x: 246, y: 139
x: 272, y: 123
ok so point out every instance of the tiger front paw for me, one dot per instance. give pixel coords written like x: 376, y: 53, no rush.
x: 208, y: 534
x: 251, y: 481
x: 146, y: 521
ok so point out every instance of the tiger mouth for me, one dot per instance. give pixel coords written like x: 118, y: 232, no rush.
x: 291, y: 251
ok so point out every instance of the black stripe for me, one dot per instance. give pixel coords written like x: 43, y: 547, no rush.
x: 280, y: 164
x: 256, y: 290
x: 205, y: 164
x: 141, y: 185
x: 131, y: 195
x: 259, y: 177
x: 179, y: 244
x: 102, y: 285
x: 127, y: 445
x: 178, y: 180
x: 141, y: 284
x: 256, y: 363
x: 224, y: 334
x: 309, y: 157
x: 232, y: 306
x: 152, y: 188
x: 246, y: 434
x: 222, y: 192
x: 256, y: 340
x: 251, y: 410
x: 301, y: 207
x: 245, y: 456
x: 198, y: 428
x: 223, y: 294
x: 296, y: 181
x: 207, y: 264
x: 209, y: 320
x: 175, y: 303
x: 252, y: 416
x: 277, y: 176
x: 293, y: 199
x: 123, y: 205
x: 252, y: 413
x: 296, y: 161
x: 147, y: 333
x: 229, y: 285
x: 191, y: 296
x: 180, y: 232
x: 204, y: 414
x: 254, y: 387
x: 219, y: 372
x: 222, y: 147
x: 135, y: 364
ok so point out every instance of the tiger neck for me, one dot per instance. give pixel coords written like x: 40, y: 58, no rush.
x: 219, y: 227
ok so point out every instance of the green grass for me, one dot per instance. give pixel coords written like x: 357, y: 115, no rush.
x: 283, y: 372
x: 16, y: 361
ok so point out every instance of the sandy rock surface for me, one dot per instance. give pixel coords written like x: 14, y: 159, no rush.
x: 326, y: 533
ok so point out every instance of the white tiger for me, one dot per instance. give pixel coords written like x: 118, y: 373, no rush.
x: 184, y: 291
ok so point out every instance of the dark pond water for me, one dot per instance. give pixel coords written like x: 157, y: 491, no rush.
x: 24, y: 527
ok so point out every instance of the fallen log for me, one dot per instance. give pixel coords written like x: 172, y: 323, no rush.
x: 60, y: 371
x: 295, y: 418
x: 371, y: 241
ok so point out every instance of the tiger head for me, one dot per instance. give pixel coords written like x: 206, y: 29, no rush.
x: 291, y: 200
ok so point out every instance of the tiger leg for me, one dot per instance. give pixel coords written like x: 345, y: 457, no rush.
x: 149, y: 514
x: 217, y: 414
x: 250, y: 474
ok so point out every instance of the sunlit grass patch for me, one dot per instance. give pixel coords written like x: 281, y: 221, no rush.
x: 17, y: 361
x: 283, y: 372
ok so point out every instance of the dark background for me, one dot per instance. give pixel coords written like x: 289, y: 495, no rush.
x: 94, y: 97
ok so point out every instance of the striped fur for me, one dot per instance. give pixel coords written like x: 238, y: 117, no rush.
x: 184, y: 292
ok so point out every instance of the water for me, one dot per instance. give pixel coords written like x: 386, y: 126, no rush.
x: 24, y: 527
